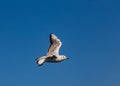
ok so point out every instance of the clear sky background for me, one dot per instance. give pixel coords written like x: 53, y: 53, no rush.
x: 89, y: 30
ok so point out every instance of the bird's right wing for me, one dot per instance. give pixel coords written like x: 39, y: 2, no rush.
x: 55, y: 45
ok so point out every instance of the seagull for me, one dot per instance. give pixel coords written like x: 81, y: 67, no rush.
x: 53, y: 52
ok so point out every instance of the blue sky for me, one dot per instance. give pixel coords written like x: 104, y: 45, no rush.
x: 89, y: 30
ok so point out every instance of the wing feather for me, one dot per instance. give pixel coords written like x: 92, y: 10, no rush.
x: 55, y: 45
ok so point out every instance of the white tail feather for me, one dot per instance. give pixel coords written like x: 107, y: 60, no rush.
x: 40, y: 61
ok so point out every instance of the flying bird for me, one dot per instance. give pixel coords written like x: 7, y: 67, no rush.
x: 53, y: 52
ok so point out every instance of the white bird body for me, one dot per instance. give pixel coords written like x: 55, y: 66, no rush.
x: 53, y: 52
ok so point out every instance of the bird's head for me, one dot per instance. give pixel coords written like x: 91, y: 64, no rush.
x: 64, y: 57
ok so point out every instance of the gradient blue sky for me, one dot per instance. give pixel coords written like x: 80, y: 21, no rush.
x: 89, y: 30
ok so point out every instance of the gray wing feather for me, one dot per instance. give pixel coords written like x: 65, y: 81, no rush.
x: 55, y: 45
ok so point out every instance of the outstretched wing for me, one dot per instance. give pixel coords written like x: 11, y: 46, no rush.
x: 55, y: 45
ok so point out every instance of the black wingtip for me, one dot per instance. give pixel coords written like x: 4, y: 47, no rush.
x: 51, y: 38
x: 51, y: 35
